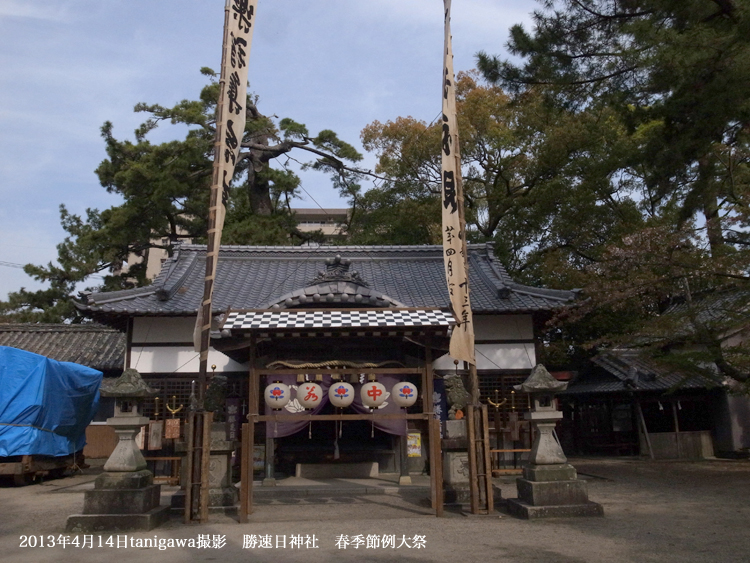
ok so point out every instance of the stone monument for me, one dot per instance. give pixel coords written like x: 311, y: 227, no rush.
x: 222, y: 494
x: 124, y: 497
x: 455, y: 443
x: 549, y: 486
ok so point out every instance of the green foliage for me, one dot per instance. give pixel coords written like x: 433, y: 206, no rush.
x: 164, y: 190
x: 676, y: 76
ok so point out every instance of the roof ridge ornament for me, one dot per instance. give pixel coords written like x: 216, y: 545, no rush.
x: 337, y: 269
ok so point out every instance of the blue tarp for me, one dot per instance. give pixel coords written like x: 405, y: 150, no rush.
x: 45, y: 405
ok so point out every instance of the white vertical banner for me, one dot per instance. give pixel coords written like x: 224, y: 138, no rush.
x: 454, y: 231
x: 239, y: 22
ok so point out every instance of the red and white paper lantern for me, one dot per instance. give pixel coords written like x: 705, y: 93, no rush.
x: 309, y: 395
x: 341, y: 394
x: 277, y: 395
x: 373, y: 394
x: 404, y: 394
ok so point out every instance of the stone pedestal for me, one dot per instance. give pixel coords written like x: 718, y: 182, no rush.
x: 455, y: 443
x: 222, y: 493
x: 552, y: 490
x: 125, y: 501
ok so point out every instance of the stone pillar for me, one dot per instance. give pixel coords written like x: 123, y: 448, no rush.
x: 456, y: 463
x: 222, y: 494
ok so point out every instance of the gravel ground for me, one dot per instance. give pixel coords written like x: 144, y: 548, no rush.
x: 654, y: 511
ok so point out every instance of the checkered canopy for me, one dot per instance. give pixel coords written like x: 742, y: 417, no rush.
x: 335, y: 320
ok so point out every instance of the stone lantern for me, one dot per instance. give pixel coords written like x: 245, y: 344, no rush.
x: 544, y: 415
x: 549, y: 486
x: 124, y: 496
x: 129, y: 391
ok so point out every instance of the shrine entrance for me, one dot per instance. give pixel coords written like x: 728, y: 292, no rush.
x: 300, y: 347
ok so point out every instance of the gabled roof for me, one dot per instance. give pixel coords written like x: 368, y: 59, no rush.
x: 91, y: 345
x: 259, y: 277
x: 630, y: 370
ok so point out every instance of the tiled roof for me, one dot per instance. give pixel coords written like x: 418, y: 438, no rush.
x: 716, y: 307
x: 258, y: 277
x: 95, y: 346
x: 629, y: 370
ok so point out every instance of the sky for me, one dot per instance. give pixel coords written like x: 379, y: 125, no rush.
x: 68, y: 66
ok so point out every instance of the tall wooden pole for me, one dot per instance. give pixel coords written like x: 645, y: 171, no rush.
x: 239, y: 19
x: 214, y: 233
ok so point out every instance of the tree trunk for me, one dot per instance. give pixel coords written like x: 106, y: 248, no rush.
x: 259, y: 190
x: 714, y: 231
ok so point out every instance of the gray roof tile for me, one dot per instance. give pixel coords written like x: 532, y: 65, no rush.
x: 630, y: 370
x: 91, y: 345
x: 250, y: 277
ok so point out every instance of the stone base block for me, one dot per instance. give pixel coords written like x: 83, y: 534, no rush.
x: 455, y: 429
x: 456, y: 468
x: 228, y: 496
x: 552, y: 493
x: 87, y: 523
x: 124, y: 479
x: 121, y: 501
x: 557, y: 472
x: 404, y: 480
x: 461, y: 495
x: 524, y: 510
x: 365, y: 470
x: 456, y: 494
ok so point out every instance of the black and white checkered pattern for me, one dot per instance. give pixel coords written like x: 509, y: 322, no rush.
x: 338, y: 319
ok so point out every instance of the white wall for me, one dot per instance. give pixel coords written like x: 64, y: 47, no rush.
x: 180, y: 356
x: 503, y: 327
x: 163, y: 329
x: 499, y: 355
x: 178, y: 359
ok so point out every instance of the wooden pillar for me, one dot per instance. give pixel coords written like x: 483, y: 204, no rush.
x: 248, y: 438
x: 189, y: 460
x: 471, y: 432
x: 246, y: 472
x: 676, y: 429
x: 642, y: 422
x: 208, y: 419
x: 269, y: 480
x: 433, y: 430
x: 438, y: 469
x: 403, y: 459
x: 490, y: 503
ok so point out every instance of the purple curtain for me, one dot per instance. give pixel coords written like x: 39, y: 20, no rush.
x: 281, y: 429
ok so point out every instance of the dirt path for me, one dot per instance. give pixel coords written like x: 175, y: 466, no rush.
x: 654, y: 511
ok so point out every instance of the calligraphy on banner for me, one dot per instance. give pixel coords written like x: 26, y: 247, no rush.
x: 454, y: 237
x: 240, y: 19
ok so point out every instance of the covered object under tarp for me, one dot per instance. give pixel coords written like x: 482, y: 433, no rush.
x: 45, y: 405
